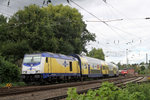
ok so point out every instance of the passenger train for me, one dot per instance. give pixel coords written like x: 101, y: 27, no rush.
x: 51, y: 66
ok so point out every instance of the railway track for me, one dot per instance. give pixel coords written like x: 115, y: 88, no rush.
x: 27, y: 89
x: 119, y: 83
x: 58, y: 91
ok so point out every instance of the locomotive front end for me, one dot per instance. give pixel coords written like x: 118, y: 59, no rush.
x: 31, y: 67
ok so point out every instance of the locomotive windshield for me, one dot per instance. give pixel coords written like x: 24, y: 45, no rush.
x: 32, y: 59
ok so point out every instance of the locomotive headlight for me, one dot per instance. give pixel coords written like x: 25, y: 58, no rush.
x: 24, y: 72
x: 37, y: 71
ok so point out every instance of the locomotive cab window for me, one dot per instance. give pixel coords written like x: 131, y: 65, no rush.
x: 46, y: 59
x: 32, y: 59
x: 70, y: 63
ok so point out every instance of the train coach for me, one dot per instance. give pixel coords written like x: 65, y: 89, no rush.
x: 50, y: 66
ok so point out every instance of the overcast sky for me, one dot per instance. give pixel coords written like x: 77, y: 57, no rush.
x: 130, y: 35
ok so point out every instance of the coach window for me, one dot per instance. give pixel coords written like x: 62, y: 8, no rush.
x: 70, y: 63
x: 46, y: 59
x: 85, y: 66
x: 103, y: 67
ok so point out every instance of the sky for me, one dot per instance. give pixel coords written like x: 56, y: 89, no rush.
x: 125, y: 37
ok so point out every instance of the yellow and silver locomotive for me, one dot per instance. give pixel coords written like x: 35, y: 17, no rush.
x: 50, y: 66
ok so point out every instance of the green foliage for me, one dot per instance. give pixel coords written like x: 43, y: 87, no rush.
x: 58, y: 29
x: 2, y: 19
x: 13, y: 51
x: 3, y: 28
x: 120, y: 66
x: 8, y: 71
x: 108, y: 91
x: 72, y: 93
x: 142, y: 68
x: 97, y: 53
x: 14, y: 84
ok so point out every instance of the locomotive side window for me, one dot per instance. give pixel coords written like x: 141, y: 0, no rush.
x: 70, y: 63
x: 46, y: 59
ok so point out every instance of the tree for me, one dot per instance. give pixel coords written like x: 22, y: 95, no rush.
x: 8, y: 72
x: 12, y: 51
x: 142, y: 68
x: 142, y: 63
x: 97, y: 53
x: 3, y: 29
x: 58, y: 29
x: 120, y: 66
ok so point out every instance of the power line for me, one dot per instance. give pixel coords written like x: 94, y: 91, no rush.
x: 121, y: 19
x: 101, y: 20
x: 146, y: 18
x: 104, y: 21
x: 89, y: 12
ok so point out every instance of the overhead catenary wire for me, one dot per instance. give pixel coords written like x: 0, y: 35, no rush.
x: 106, y: 44
x: 109, y: 5
x: 94, y: 16
x: 126, y: 31
x: 89, y: 12
x: 119, y: 19
x: 116, y: 20
x: 127, y: 19
x: 110, y: 26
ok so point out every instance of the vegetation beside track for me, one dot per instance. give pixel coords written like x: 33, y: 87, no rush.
x: 109, y: 91
x: 8, y: 72
x: 14, y: 84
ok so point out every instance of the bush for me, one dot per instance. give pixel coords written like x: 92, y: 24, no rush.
x: 8, y: 72
x: 108, y: 91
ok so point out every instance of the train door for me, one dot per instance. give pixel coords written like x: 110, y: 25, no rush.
x: 82, y: 65
x: 50, y: 65
x: 47, y: 66
x: 101, y: 69
x: 70, y: 67
x: 88, y: 68
x: 78, y: 67
x: 104, y: 69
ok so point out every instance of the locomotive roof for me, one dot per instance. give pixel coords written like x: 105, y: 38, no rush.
x: 53, y: 55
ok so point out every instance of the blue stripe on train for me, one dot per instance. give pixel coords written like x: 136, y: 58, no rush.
x: 95, y: 75
x: 31, y: 64
x: 111, y: 75
x: 46, y: 75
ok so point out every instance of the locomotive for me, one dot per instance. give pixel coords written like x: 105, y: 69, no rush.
x: 51, y: 66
